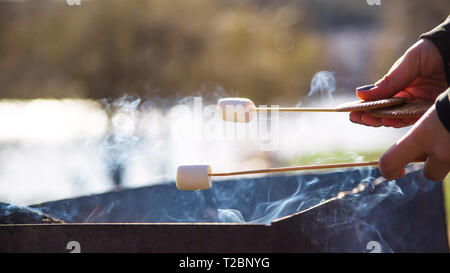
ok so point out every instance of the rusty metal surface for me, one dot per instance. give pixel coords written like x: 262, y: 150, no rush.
x: 165, y: 203
x: 170, y: 238
x: 304, y: 232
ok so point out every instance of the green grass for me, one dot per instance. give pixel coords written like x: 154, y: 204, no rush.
x: 447, y: 202
x: 335, y: 157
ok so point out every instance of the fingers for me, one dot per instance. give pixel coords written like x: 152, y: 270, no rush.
x: 404, y: 71
x: 427, y: 139
x: 355, y: 116
x: 435, y: 169
x: 406, y: 95
x: 421, y: 158
x: 437, y: 164
x: 405, y: 151
x: 365, y: 119
x: 369, y: 120
x: 410, y: 121
x: 396, y: 123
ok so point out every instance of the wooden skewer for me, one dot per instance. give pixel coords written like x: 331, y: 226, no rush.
x: 296, y: 109
x: 345, y: 107
x: 300, y: 168
x: 249, y: 106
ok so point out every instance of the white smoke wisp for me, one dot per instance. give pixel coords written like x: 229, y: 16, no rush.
x: 324, y: 84
x: 70, y: 148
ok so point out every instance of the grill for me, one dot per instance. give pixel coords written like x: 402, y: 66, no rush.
x: 282, y: 214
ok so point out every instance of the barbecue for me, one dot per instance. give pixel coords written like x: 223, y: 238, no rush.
x: 161, y: 218
x: 349, y: 210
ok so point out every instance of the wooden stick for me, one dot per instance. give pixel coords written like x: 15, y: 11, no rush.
x: 300, y: 168
x: 296, y: 109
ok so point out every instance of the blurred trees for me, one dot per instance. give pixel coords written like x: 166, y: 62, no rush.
x: 402, y: 22
x: 261, y: 49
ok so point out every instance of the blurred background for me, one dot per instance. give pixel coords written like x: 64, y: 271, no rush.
x: 267, y: 50
x: 86, y: 90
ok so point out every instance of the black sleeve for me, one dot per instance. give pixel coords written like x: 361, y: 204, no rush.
x: 440, y: 36
x: 443, y: 108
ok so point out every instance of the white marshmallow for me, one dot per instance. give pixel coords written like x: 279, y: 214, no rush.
x: 193, y: 177
x: 236, y: 109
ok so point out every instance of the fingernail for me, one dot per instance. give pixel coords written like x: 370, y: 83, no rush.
x: 366, y: 87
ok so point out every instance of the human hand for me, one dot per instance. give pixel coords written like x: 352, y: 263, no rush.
x: 427, y: 140
x: 417, y: 75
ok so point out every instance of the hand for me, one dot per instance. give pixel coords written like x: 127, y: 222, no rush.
x: 427, y: 140
x: 417, y: 75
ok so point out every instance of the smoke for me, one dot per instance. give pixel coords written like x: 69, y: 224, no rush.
x: 324, y: 84
x: 291, y: 194
x: 133, y: 141
x: 120, y: 140
x: 360, y: 203
x: 365, y: 214
x: 144, y: 140
x: 230, y: 216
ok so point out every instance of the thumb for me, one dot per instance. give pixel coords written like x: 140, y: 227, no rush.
x: 405, y: 151
x: 404, y: 71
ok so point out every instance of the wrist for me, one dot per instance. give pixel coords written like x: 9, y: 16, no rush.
x: 443, y: 109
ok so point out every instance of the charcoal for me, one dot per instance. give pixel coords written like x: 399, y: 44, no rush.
x: 11, y: 214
